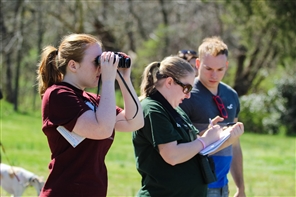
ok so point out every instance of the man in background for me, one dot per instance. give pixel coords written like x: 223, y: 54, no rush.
x: 190, y: 56
x: 210, y: 98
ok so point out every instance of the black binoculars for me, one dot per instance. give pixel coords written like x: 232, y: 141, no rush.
x: 124, y: 61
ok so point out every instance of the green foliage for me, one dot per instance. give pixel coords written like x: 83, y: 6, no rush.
x: 243, y: 25
x: 259, y: 114
x: 272, y: 112
x: 286, y: 88
x: 253, y: 112
x: 270, y: 18
x: 119, y: 99
x: 259, y: 33
x: 150, y: 50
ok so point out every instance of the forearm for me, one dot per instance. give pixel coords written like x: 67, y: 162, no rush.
x: 99, y: 124
x: 174, y: 153
x: 235, y: 132
x: 131, y: 118
x: 237, y: 167
x: 131, y: 102
x: 106, y: 111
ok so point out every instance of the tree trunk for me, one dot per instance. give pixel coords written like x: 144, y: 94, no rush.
x: 39, y: 48
x: 166, y: 23
x: 8, y: 85
x: 140, y: 27
x: 19, y: 56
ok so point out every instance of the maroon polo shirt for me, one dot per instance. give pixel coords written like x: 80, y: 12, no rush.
x: 79, y: 171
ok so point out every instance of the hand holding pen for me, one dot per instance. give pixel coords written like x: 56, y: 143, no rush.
x: 214, y: 121
x: 217, y: 119
x: 210, y: 123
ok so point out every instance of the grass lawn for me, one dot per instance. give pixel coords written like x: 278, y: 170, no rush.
x: 269, y: 166
x: 269, y: 161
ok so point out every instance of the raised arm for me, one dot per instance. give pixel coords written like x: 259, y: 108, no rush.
x: 100, y: 124
x: 131, y: 118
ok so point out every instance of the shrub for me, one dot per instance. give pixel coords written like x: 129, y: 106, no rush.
x: 268, y: 113
x: 286, y: 89
x: 257, y: 115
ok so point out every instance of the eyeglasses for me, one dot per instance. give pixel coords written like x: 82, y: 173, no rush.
x: 220, y: 106
x: 186, y: 87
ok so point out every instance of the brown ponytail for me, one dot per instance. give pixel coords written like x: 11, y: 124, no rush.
x: 48, y: 72
x: 149, y: 79
x: 169, y: 66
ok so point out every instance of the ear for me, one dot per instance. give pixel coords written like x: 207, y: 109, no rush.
x: 168, y: 82
x: 197, y: 63
x: 227, y: 65
x: 72, y: 65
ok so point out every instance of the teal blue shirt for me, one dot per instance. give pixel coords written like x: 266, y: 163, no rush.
x: 200, y: 107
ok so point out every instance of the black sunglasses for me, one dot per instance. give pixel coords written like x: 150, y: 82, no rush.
x: 186, y: 87
x: 220, y: 106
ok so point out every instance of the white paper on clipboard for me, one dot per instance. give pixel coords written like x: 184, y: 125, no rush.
x: 214, y: 146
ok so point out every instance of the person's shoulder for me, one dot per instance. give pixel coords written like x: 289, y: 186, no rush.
x: 196, y: 82
x: 228, y: 88
x: 197, y: 86
x: 59, y: 89
x: 149, y: 104
x: 225, y: 85
x: 60, y: 86
x: 195, y: 94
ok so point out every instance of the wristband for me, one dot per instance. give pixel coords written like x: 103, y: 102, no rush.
x: 202, y: 142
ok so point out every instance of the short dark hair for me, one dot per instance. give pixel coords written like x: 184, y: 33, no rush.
x: 187, y: 54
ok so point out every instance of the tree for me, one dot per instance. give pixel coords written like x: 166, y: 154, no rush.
x: 264, y: 30
x: 286, y: 88
x: 258, y: 33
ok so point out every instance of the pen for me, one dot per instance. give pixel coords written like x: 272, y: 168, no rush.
x: 230, y: 124
x: 211, y: 122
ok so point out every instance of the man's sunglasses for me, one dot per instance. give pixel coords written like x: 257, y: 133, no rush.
x: 186, y: 87
x: 220, y: 106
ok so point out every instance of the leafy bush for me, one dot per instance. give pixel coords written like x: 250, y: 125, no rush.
x: 268, y: 113
x: 256, y: 114
x: 286, y: 89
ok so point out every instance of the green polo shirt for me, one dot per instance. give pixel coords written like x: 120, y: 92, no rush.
x: 159, y: 178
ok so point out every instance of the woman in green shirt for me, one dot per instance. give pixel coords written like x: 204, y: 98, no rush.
x: 166, y: 147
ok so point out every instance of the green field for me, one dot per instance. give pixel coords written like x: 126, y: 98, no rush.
x: 269, y: 161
